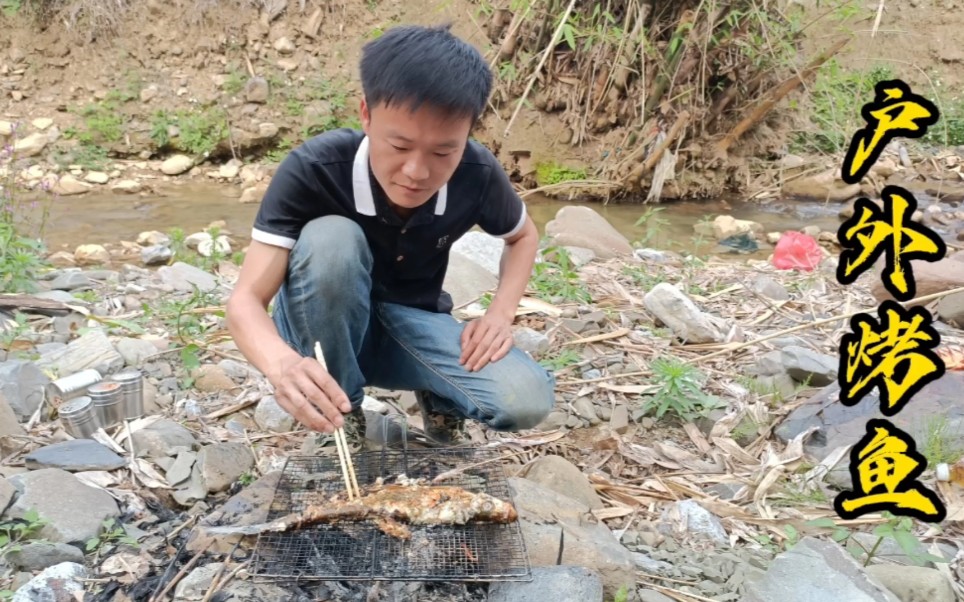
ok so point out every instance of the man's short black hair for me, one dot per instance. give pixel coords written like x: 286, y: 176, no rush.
x: 414, y: 65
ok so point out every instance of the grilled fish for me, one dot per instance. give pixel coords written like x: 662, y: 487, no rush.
x: 390, y: 506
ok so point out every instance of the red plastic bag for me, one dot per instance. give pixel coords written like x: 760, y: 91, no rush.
x: 797, y: 250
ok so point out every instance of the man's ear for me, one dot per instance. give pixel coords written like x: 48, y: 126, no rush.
x: 366, y: 116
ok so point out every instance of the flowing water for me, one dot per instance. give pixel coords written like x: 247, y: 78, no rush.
x: 109, y: 218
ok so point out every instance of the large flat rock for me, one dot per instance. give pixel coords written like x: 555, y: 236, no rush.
x: 841, y: 425
x: 75, y: 456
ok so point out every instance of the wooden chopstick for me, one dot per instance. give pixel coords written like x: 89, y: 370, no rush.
x: 344, y: 456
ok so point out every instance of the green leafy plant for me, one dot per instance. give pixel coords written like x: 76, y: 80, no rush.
x: 561, y: 358
x: 553, y: 173
x: 555, y: 277
x: 16, y: 531
x: 111, y: 532
x: 678, y: 389
x: 22, y: 252
x: 898, y: 528
x: 939, y: 445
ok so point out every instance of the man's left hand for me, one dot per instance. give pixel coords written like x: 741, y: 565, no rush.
x: 485, y: 340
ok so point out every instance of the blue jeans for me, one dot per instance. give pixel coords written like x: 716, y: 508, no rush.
x: 326, y: 297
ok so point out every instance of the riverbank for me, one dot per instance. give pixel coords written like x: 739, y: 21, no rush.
x: 684, y: 426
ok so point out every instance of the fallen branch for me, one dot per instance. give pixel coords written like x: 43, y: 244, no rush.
x: 654, y: 158
x: 764, y: 106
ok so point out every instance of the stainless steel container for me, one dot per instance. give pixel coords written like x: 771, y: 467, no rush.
x: 77, y: 416
x: 66, y: 388
x: 108, y: 401
x: 132, y: 392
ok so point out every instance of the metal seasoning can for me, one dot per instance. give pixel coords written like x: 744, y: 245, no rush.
x: 66, y: 388
x: 132, y: 392
x: 108, y: 402
x: 77, y: 416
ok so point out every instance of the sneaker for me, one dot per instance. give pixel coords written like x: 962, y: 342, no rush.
x: 355, y: 430
x: 440, y: 429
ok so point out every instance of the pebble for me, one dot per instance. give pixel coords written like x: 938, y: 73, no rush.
x: 39, y: 555
x: 75, y: 456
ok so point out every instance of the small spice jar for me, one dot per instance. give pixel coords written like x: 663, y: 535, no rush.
x: 108, y: 402
x: 66, y: 388
x: 132, y: 392
x: 77, y: 416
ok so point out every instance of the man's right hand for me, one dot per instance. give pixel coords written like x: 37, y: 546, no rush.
x: 306, y: 391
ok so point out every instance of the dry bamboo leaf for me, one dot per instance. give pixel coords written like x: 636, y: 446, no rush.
x: 793, y: 450
x: 610, y: 513
x: 599, y: 337
x: 818, y: 472
x: 643, y: 456
x: 540, y: 306
x: 736, y: 452
x: 766, y: 483
x: 627, y: 389
x: 97, y: 478
x: 148, y: 475
x: 725, y: 425
x: 529, y: 440
x: 696, y: 436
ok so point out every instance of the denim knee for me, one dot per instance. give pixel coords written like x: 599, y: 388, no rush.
x: 331, y: 251
x: 525, y: 397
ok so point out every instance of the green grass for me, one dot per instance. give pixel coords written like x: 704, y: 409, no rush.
x: 555, y: 278
x: 939, y: 444
x: 553, y: 173
x: 679, y: 390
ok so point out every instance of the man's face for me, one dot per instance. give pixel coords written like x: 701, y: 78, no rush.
x: 413, y: 154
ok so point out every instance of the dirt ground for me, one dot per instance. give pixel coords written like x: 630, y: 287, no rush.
x: 191, y: 49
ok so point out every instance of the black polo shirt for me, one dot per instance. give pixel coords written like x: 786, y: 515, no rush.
x: 330, y: 175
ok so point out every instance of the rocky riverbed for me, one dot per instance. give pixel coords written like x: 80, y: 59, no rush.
x: 620, y: 496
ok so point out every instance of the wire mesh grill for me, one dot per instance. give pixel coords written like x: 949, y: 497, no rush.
x: 360, y: 551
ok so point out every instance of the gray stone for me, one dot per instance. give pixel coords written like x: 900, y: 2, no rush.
x: 651, y: 565
x: 9, y: 425
x: 69, y: 280
x: 840, y: 425
x: 768, y: 287
x: 75, y: 456
x: 272, y: 417
x: 780, y: 384
x: 586, y: 409
x: 156, y: 255
x: 74, y: 511
x: 180, y: 470
x: 7, y: 492
x: 466, y: 280
x: 196, y: 584
x: 560, y: 475
x: 163, y: 438
x: 59, y: 583
x: 687, y: 519
x: 135, y: 351
x: 580, y: 226
x: 804, y: 365
x: 580, y: 256
x: 176, y: 165
x: 619, y: 421
x: 257, y: 90
x: 770, y: 363
x: 816, y: 571
x: 531, y: 341
x: 91, y: 350
x: 551, y: 583
x: 482, y: 248
x: 247, y: 591
x: 683, y: 317
x: 951, y: 309
x: 248, y: 507
x: 22, y: 383
x: 649, y: 595
x: 888, y: 550
x: 191, y: 491
x: 68, y: 325
x: 222, y: 463
x: 184, y: 277
x: 545, y: 513
x: 913, y: 583
x: 38, y: 555
x: 238, y: 370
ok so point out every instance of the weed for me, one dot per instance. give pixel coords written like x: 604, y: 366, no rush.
x: 10, y: 8
x: 246, y: 479
x: 12, y: 332
x: 561, y: 358
x: 103, y: 123
x: 555, y: 277
x: 553, y: 173
x: 22, y: 250
x: 234, y: 82
x: 898, y: 528
x: 16, y: 531
x: 111, y: 532
x: 949, y: 131
x: 939, y: 446
x: 199, y: 133
x: 653, y: 224
x: 622, y: 595
x: 679, y: 389
x: 834, y: 114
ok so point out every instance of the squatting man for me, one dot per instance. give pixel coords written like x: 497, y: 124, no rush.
x: 350, y: 247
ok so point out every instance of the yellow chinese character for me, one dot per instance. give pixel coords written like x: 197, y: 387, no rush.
x: 895, y: 111
x: 872, y: 231
x: 884, y: 467
x: 895, y: 355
